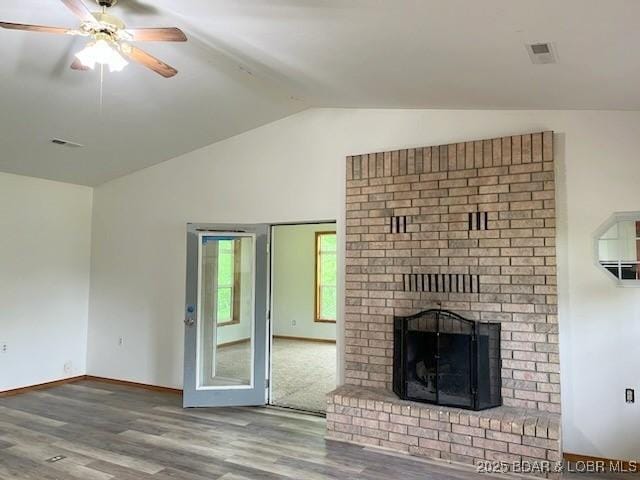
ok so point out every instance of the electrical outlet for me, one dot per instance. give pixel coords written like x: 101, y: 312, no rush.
x: 68, y: 367
x: 4, y: 348
x: 630, y: 395
x: 120, y: 341
x: 293, y: 323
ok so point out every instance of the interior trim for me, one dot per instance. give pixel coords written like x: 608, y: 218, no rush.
x: 41, y: 386
x: 234, y: 342
x: 126, y: 383
x: 632, y: 466
x: 320, y: 340
x: 64, y: 381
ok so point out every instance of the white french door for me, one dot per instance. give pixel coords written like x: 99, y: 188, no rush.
x: 225, y: 356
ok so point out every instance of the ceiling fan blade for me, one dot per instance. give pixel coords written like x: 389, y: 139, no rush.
x: 77, y: 65
x: 34, y: 28
x: 157, y: 35
x: 149, y: 61
x: 80, y: 10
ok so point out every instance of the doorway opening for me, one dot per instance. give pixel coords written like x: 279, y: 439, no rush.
x: 303, y: 315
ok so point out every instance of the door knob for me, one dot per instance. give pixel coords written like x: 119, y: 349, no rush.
x: 189, y: 319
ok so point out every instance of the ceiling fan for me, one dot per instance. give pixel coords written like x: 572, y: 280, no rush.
x: 109, y: 36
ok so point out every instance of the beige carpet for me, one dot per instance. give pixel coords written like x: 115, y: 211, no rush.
x: 233, y: 361
x: 303, y: 371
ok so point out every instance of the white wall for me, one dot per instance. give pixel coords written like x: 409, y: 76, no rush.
x: 293, y: 170
x: 294, y: 282
x: 45, y: 240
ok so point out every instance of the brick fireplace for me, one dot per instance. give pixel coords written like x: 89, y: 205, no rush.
x: 470, y: 228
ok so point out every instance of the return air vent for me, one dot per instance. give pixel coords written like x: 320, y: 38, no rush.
x: 65, y: 143
x: 542, y: 53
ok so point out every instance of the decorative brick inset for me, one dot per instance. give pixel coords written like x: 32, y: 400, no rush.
x: 478, y: 220
x: 440, y: 282
x: 398, y: 224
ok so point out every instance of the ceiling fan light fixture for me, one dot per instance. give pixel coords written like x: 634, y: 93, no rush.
x: 102, y: 52
x: 108, y: 35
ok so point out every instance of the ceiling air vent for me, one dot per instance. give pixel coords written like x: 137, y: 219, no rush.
x: 541, y: 53
x: 65, y: 143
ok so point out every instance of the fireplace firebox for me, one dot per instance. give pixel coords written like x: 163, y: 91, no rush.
x: 442, y: 358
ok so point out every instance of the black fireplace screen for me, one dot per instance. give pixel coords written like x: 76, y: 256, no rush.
x: 440, y: 357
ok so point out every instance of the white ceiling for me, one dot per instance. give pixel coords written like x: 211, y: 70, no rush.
x: 249, y: 62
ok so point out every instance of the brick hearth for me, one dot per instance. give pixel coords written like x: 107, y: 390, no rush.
x: 376, y: 417
x: 469, y: 227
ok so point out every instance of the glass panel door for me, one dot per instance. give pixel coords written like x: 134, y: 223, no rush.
x: 226, y: 313
x: 225, y: 336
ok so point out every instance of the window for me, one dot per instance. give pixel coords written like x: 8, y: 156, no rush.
x: 326, y: 277
x: 227, y: 285
x: 618, y: 247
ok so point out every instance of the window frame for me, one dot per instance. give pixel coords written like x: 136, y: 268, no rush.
x: 235, y: 288
x: 614, y: 219
x: 317, y: 274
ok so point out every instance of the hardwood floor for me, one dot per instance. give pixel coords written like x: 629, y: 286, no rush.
x: 109, y: 431
x: 106, y: 431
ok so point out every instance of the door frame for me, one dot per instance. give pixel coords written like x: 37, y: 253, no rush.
x: 270, y: 302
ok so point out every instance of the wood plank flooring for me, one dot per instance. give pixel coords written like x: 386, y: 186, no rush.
x: 112, y: 432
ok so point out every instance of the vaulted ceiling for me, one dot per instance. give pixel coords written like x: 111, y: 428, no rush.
x: 250, y: 62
